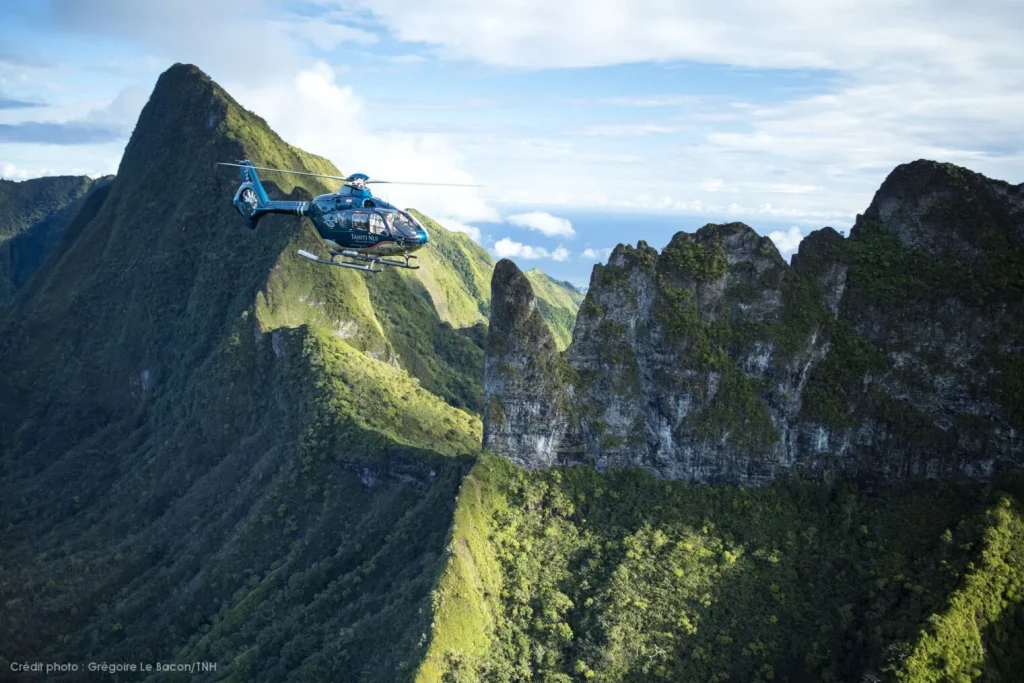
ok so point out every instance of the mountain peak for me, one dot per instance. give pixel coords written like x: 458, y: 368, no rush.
x: 524, y: 397
x: 946, y: 210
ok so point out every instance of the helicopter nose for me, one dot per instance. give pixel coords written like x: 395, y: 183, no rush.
x: 424, y: 237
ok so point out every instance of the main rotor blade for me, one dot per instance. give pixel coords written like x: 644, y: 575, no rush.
x: 284, y: 170
x: 345, y: 179
x: 414, y: 182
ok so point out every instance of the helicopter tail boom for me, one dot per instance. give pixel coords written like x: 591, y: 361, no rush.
x: 253, y: 203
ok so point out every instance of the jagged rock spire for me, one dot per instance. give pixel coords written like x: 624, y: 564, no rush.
x: 526, y: 404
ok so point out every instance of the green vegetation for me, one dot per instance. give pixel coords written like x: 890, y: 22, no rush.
x: 690, y: 258
x: 33, y: 217
x: 885, y: 271
x: 572, y: 575
x: 558, y: 302
x: 210, y: 448
x: 456, y: 272
x: 833, y: 389
x: 886, y: 275
x: 978, y: 635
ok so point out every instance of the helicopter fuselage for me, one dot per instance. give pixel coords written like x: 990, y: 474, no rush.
x: 352, y: 222
x: 354, y: 219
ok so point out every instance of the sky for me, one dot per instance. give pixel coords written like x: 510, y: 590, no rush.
x: 586, y: 122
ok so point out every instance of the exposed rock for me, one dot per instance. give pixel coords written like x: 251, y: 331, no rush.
x: 895, y: 353
x: 525, y: 399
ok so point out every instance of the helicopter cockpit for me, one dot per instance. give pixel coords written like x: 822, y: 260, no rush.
x: 381, y: 221
x: 401, y: 224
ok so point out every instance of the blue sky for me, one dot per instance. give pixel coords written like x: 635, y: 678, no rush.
x: 588, y: 122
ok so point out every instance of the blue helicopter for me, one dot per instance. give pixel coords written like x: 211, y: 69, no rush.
x: 352, y: 222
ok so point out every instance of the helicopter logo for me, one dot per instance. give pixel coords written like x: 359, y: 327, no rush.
x: 352, y: 222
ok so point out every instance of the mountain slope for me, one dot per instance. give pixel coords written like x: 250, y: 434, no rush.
x: 208, y: 447
x: 559, y: 302
x: 33, y: 216
x: 571, y: 574
x: 461, y: 290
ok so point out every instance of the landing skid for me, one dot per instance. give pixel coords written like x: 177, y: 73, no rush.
x: 369, y: 261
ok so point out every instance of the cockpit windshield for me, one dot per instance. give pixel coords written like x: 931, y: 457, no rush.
x: 402, y: 224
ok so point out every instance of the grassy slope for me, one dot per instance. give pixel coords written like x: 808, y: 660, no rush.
x: 207, y: 450
x: 574, y: 575
x: 434, y: 317
x: 558, y: 303
x: 461, y: 289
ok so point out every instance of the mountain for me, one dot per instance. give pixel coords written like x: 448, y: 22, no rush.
x: 34, y: 214
x: 196, y: 422
x: 559, y: 302
x: 211, y: 449
x: 847, y: 395
x: 895, y: 353
x: 464, y: 300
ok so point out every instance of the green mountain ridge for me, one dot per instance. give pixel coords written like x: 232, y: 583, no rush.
x: 558, y: 302
x: 188, y: 404
x: 33, y: 217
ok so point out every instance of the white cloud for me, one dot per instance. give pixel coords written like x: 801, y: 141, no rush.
x: 458, y: 226
x: 933, y: 79
x: 507, y: 248
x: 787, y: 242
x: 205, y: 33
x: 9, y: 171
x: 318, y: 114
x: 833, y: 34
x: 543, y: 222
x: 324, y: 35
x: 596, y: 254
x: 627, y: 130
x: 560, y: 253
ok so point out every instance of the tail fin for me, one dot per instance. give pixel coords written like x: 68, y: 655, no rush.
x: 251, y: 199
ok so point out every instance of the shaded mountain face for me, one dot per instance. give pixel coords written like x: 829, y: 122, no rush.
x: 34, y: 214
x: 896, y: 352
x: 211, y: 448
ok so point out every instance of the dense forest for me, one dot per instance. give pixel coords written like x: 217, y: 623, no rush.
x: 571, y: 575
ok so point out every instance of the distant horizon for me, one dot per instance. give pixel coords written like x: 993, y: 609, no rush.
x: 602, y: 229
x: 787, y: 118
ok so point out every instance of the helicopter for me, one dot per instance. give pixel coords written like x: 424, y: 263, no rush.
x: 352, y: 222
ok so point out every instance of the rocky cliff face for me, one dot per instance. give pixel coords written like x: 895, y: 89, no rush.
x: 894, y: 353
x: 525, y: 398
